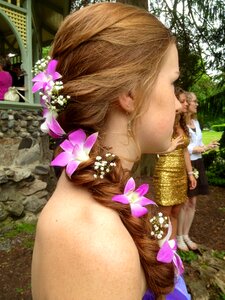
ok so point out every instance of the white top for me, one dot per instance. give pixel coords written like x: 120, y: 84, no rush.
x: 195, y: 140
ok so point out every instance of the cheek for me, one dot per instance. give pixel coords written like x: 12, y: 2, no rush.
x: 156, y: 124
x: 155, y: 131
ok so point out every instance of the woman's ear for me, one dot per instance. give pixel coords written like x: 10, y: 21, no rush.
x: 127, y: 102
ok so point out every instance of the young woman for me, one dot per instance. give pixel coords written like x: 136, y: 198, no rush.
x: 173, y: 169
x: 195, y: 148
x: 113, y: 60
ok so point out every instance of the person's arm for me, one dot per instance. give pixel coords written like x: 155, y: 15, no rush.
x: 199, y: 148
x: 212, y: 145
x: 205, y: 148
x: 192, y: 180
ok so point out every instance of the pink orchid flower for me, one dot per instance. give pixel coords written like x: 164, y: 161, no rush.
x: 50, y: 125
x: 76, y: 150
x: 135, y: 198
x: 45, y: 80
x: 168, y: 254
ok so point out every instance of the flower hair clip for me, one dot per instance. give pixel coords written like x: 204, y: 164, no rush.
x: 41, y: 65
x: 135, y: 198
x: 76, y: 150
x: 47, y: 80
x: 76, y: 146
x: 168, y: 252
x: 195, y: 173
x: 159, y: 224
x: 104, y: 166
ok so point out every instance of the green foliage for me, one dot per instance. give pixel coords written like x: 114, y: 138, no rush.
x: 212, y: 180
x: 222, y: 141
x: 222, y: 209
x: 13, y: 230
x: 218, y: 254
x: 216, y: 170
x: 222, y: 153
x: 45, y: 51
x: 19, y: 290
x: 213, y: 108
x: 28, y: 243
x: 220, y: 127
x: 215, y: 164
x: 211, y: 97
x: 19, y: 228
x: 77, y: 4
x: 188, y: 256
x: 205, y: 87
x: 200, y: 30
x: 209, y: 136
x: 209, y: 157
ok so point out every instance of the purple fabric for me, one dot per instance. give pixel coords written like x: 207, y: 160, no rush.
x: 148, y: 296
x: 5, y: 83
x: 179, y: 293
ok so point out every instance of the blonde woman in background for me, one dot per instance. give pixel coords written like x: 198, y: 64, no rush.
x: 195, y: 148
x: 172, y: 172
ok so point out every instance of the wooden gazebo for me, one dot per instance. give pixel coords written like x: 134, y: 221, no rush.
x: 25, y: 27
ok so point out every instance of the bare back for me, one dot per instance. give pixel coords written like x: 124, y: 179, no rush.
x: 83, y: 251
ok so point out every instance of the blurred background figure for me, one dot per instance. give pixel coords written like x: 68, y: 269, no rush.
x: 5, y: 79
x: 195, y: 148
x: 8, y: 67
x: 171, y: 170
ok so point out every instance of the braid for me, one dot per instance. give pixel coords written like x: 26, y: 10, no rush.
x: 159, y: 276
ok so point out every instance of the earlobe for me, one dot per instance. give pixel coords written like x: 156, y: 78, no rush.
x: 127, y: 102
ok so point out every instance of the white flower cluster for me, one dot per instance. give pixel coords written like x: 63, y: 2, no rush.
x: 159, y: 223
x: 53, y: 100
x: 104, y: 166
x: 195, y: 173
x: 41, y: 65
x: 51, y: 96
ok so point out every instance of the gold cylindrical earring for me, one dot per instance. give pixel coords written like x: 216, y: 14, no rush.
x: 129, y: 125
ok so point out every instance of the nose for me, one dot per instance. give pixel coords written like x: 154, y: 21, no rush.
x: 178, y: 105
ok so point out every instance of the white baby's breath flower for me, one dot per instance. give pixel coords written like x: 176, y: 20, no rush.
x: 159, y: 223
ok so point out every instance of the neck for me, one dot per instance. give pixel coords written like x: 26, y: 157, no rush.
x: 189, y: 119
x: 116, y: 137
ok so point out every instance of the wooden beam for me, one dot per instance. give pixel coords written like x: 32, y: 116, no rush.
x: 51, y: 6
x: 140, y: 3
x: 49, y: 29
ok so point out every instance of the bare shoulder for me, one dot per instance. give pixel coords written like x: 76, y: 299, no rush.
x: 83, y: 251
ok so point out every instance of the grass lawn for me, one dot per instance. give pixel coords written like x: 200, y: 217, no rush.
x: 209, y: 136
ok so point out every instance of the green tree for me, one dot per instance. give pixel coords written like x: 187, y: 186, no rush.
x: 211, y: 98
x: 199, y: 26
x: 140, y: 3
x: 77, y: 4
